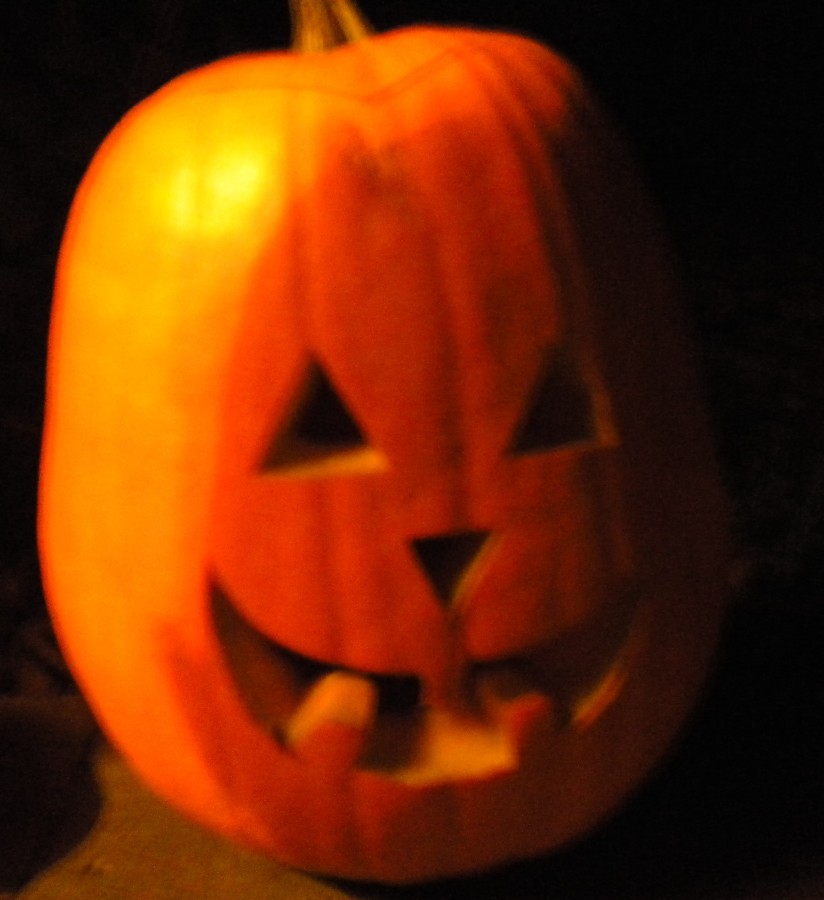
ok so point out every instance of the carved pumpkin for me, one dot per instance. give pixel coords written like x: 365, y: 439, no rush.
x: 378, y: 516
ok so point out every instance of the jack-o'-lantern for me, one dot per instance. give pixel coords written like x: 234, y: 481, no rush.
x: 379, y: 520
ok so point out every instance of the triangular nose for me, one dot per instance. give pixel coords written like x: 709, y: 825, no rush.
x: 447, y: 558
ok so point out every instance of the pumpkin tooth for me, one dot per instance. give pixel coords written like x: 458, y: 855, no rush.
x: 497, y: 685
x: 331, y: 725
x: 526, y: 715
x: 531, y: 721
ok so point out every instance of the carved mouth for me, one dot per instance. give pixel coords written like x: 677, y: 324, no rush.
x: 342, y: 718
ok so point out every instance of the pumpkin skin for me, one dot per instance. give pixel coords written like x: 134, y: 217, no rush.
x: 330, y: 567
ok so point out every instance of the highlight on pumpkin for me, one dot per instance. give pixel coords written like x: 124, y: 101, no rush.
x: 214, y: 201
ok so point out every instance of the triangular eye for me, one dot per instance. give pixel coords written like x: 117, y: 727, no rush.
x: 560, y: 411
x: 321, y: 433
x: 446, y: 559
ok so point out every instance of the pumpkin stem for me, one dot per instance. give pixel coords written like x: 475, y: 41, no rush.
x: 319, y: 25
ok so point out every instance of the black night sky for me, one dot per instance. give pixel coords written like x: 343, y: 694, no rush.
x: 721, y: 101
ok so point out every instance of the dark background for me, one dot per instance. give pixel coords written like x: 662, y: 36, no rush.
x: 722, y: 104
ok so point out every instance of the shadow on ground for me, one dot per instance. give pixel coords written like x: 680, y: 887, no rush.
x: 48, y: 797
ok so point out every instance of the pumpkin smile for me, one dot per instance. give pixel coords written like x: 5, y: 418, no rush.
x: 344, y: 718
